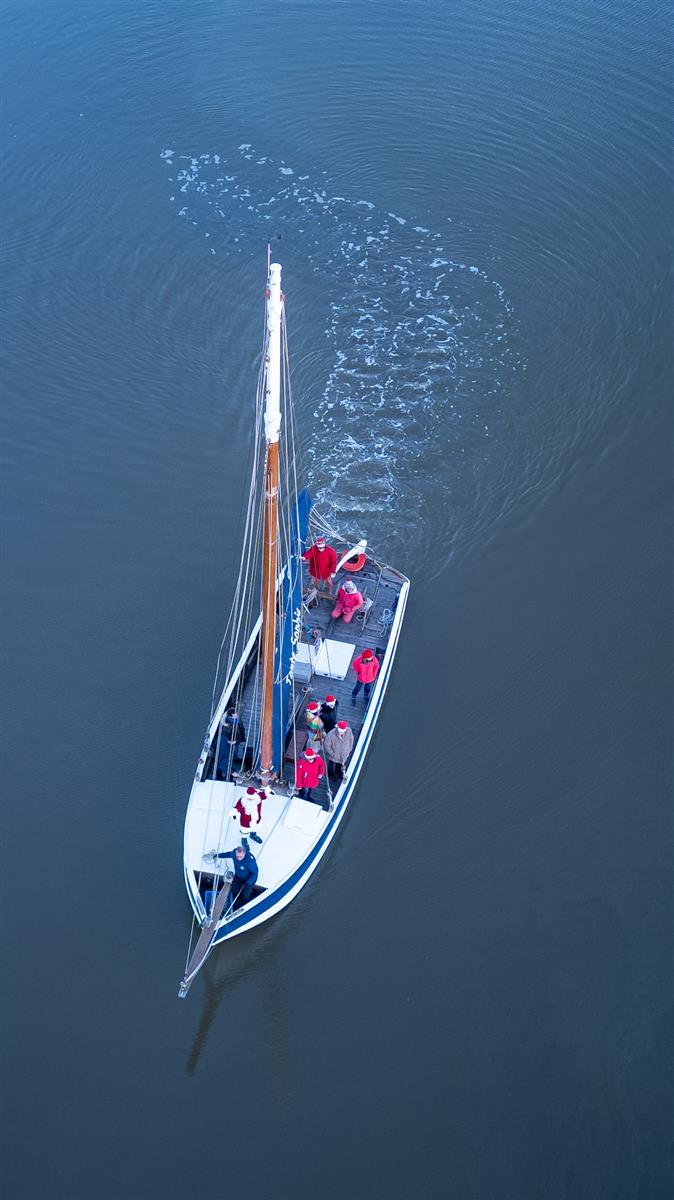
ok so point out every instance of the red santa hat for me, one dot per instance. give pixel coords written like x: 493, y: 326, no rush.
x: 331, y: 700
x: 250, y: 791
x: 366, y: 655
x: 342, y: 726
x: 313, y: 706
x: 309, y: 753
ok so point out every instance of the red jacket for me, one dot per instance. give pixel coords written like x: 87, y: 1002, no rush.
x: 309, y: 773
x: 365, y: 671
x: 322, y: 563
x: 349, y: 599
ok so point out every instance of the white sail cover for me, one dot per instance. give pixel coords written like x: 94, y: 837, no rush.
x: 272, y: 395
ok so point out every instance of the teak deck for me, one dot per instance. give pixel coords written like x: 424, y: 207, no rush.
x: 383, y: 588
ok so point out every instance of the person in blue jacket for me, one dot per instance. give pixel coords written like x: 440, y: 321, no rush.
x: 245, y: 875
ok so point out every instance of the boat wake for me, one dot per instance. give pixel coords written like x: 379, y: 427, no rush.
x: 418, y: 359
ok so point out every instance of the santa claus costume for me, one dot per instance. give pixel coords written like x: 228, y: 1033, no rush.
x: 248, y: 812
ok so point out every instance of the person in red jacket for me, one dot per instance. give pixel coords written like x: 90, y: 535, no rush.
x: 310, y: 770
x: 322, y: 561
x: 366, y: 666
x: 349, y: 601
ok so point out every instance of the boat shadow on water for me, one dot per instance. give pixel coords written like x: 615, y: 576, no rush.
x: 221, y: 976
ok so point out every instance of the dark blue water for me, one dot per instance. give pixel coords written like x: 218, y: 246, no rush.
x: 473, y: 206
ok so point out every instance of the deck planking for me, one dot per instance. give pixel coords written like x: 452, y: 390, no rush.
x: 383, y: 588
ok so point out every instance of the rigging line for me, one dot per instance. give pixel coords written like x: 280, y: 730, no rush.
x: 290, y: 404
x: 225, y: 814
x: 323, y: 525
x: 234, y: 622
x: 243, y: 613
x: 327, y: 777
x: 253, y: 486
x: 253, y: 734
x: 221, y: 839
x: 203, y: 842
x: 289, y: 573
x: 285, y: 622
x: 292, y: 457
x: 255, y: 595
x: 216, y: 757
x: 250, y: 600
x: 246, y: 536
x: 268, y: 837
x: 189, y: 944
x: 286, y: 612
x: 273, y: 538
x: 251, y: 570
x: 245, y: 594
x: 249, y: 544
x: 216, y: 875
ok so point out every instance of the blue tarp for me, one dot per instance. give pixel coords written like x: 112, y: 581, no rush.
x: 290, y: 625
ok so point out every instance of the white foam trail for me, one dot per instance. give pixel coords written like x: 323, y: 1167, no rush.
x: 420, y: 342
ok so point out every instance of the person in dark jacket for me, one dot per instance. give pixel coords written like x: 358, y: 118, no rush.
x: 245, y: 875
x: 329, y: 713
x: 232, y: 743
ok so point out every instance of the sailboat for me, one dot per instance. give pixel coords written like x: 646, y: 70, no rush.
x: 286, y: 646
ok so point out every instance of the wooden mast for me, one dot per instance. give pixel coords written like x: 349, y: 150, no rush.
x: 272, y: 430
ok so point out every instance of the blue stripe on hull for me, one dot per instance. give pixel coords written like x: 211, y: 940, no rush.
x: 282, y: 895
